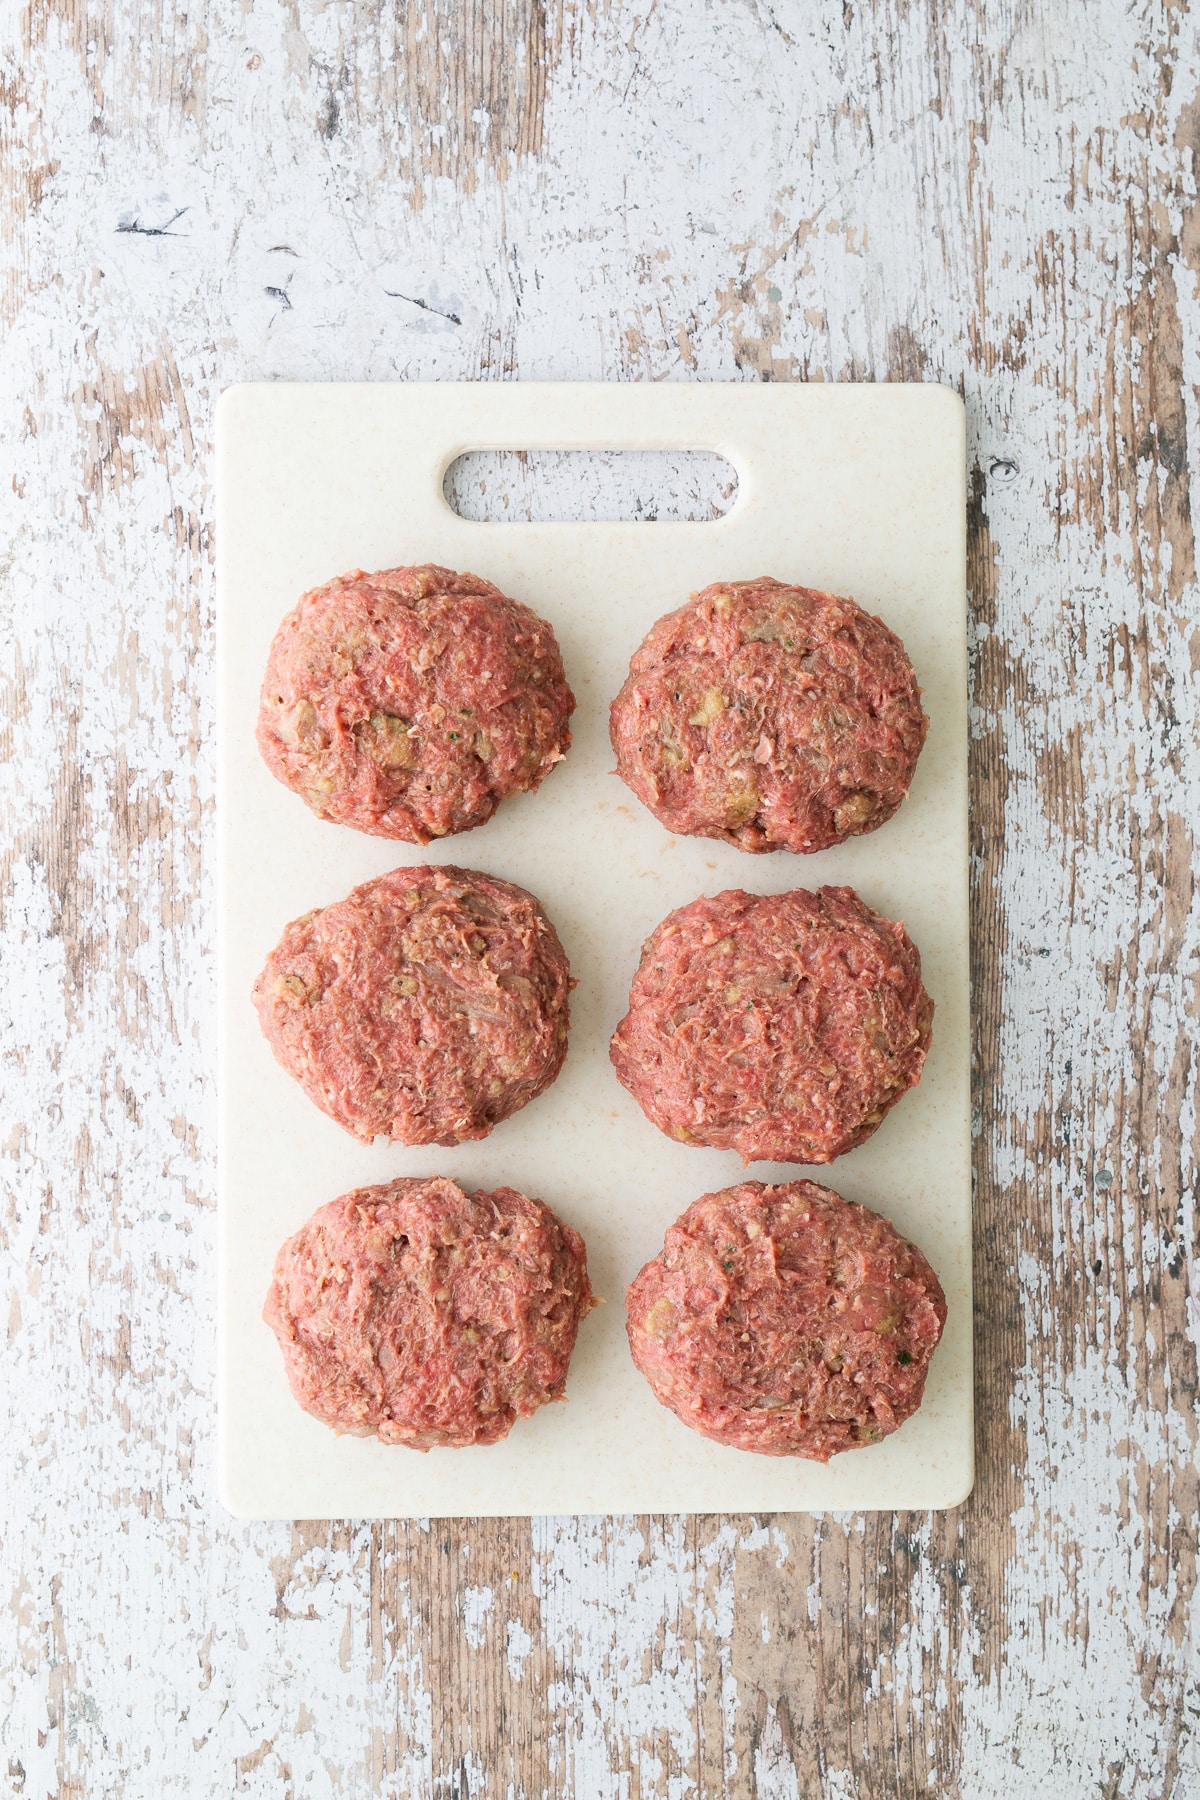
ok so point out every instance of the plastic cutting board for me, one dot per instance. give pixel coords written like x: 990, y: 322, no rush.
x: 857, y: 489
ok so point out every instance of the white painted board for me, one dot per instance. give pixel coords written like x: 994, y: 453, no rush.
x: 854, y: 488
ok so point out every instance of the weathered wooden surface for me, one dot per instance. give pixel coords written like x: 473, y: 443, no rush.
x: 996, y: 193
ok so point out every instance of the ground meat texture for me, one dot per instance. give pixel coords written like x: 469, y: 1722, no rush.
x: 783, y: 1026
x: 777, y: 718
x: 786, y: 1320
x: 425, y: 1007
x: 409, y: 703
x: 424, y: 1315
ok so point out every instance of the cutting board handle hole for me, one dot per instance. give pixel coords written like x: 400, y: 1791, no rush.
x: 590, y: 486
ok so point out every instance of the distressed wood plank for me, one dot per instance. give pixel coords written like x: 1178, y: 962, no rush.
x: 996, y: 193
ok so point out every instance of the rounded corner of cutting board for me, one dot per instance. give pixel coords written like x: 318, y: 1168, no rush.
x: 235, y: 405
x: 230, y: 1498
x: 961, y: 1493
x: 945, y: 398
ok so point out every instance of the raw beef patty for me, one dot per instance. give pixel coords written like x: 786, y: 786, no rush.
x: 426, y: 1006
x: 777, y: 718
x: 783, y: 1026
x: 409, y: 703
x: 425, y: 1315
x: 786, y: 1320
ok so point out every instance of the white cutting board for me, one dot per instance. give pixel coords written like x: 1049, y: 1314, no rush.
x: 858, y: 489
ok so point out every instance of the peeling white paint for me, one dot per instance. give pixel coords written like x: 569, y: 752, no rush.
x: 475, y: 1605
x: 956, y: 191
x: 518, y: 1645
x: 774, y: 1771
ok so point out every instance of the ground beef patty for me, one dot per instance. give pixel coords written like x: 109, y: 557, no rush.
x: 786, y: 1320
x: 778, y: 718
x: 425, y: 1315
x: 411, y: 702
x: 426, y: 1006
x: 783, y: 1026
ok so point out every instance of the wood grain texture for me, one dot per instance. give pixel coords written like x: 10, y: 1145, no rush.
x: 1001, y: 194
